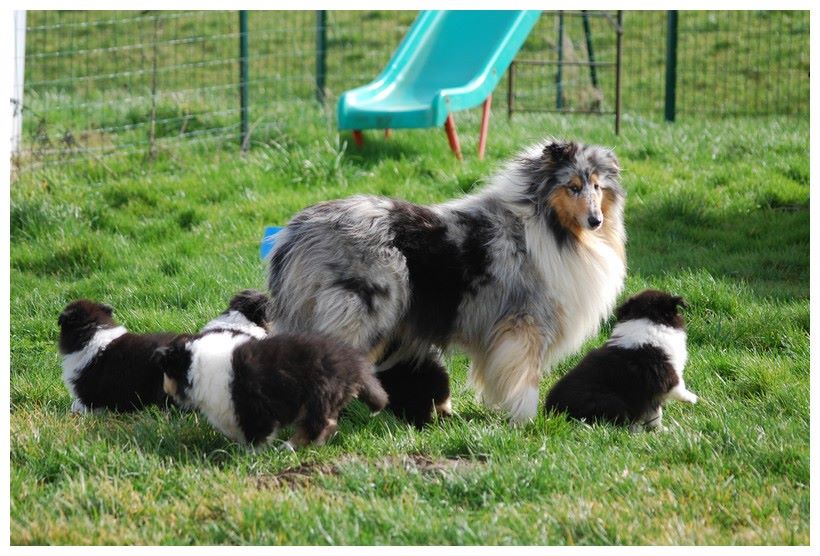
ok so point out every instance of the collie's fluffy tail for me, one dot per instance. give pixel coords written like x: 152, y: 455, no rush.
x: 371, y: 392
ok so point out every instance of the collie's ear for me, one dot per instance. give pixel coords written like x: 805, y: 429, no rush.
x: 613, y: 161
x: 107, y: 309
x: 560, y: 151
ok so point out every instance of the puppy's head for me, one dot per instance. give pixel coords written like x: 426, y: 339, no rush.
x: 80, y: 320
x: 657, y: 306
x: 174, y: 360
x: 252, y: 305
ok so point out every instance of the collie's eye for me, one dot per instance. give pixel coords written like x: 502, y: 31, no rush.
x: 575, y: 189
x: 597, y: 187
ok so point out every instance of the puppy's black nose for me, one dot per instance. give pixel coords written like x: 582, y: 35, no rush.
x: 594, y: 221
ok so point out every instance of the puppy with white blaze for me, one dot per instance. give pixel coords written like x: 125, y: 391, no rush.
x: 107, y: 367
x: 518, y: 275
x: 249, y: 389
x: 627, y: 381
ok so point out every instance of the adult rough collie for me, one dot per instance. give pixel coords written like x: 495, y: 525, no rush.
x: 518, y: 274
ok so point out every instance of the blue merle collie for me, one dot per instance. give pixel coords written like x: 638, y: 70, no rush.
x: 107, y: 367
x: 249, y: 389
x: 518, y: 274
x: 626, y: 381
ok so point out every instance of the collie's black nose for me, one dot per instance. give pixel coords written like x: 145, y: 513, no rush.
x: 594, y: 222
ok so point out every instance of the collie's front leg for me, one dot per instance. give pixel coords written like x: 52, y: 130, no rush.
x: 507, y: 373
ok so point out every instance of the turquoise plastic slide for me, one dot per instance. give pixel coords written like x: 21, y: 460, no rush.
x: 448, y: 61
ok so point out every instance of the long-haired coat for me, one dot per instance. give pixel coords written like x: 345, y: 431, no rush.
x: 518, y: 274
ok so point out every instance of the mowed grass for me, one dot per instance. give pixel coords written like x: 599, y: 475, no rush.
x: 717, y: 212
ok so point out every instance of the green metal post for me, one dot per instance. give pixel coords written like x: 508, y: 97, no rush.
x: 619, y: 48
x: 588, y: 35
x: 671, y: 64
x: 321, y: 54
x: 559, y: 86
x: 244, y: 139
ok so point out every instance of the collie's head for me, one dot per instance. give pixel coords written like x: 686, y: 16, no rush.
x: 80, y: 320
x: 574, y: 187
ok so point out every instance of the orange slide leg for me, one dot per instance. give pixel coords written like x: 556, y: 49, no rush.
x: 358, y: 138
x: 452, y: 136
x: 485, y: 123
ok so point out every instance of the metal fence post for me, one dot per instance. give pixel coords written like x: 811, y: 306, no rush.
x: 244, y: 139
x: 321, y: 54
x: 19, y: 78
x: 559, y: 92
x: 593, y: 76
x: 511, y: 90
x: 619, y: 50
x: 671, y: 64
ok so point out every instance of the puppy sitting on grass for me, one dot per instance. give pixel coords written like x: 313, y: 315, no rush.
x: 626, y: 381
x: 107, y: 367
x: 249, y: 389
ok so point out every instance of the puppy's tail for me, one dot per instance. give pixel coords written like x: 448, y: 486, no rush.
x: 371, y: 391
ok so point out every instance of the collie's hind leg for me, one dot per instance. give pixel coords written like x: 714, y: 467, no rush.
x: 507, y: 374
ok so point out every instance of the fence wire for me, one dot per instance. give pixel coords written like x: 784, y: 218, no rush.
x: 100, y: 82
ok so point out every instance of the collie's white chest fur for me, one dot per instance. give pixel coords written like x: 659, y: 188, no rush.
x: 582, y: 283
x: 74, y: 363
x: 211, y: 375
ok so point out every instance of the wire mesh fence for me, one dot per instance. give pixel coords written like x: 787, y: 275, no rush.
x: 102, y: 83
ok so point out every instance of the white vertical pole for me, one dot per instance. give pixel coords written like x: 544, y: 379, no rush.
x: 19, y: 76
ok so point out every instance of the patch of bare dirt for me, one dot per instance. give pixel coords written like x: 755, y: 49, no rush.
x: 302, y: 474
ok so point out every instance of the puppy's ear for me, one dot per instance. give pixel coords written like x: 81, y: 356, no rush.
x: 173, y: 358
x: 159, y: 356
x: 107, y: 309
x: 680, y: 302
x: 623, y: 310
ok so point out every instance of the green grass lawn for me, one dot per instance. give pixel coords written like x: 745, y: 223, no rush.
x: 717, y: 212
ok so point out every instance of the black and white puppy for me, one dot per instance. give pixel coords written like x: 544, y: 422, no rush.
x: 107, y: 367
x: 626, y: 381
x: 248, y: 389
x: 104, y: 365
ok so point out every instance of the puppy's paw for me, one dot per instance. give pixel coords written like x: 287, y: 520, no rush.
x: 689, y: 397
x: 79, y: 407
x: 286, y: 446
x: 445, y: 408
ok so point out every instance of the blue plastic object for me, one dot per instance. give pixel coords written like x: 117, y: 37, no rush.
x: 268, y: 241
x: 448, y: 61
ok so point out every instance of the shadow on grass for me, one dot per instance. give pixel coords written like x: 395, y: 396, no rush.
x: 186, y: 437
x: 767, y: 247
x: 378, y: 149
